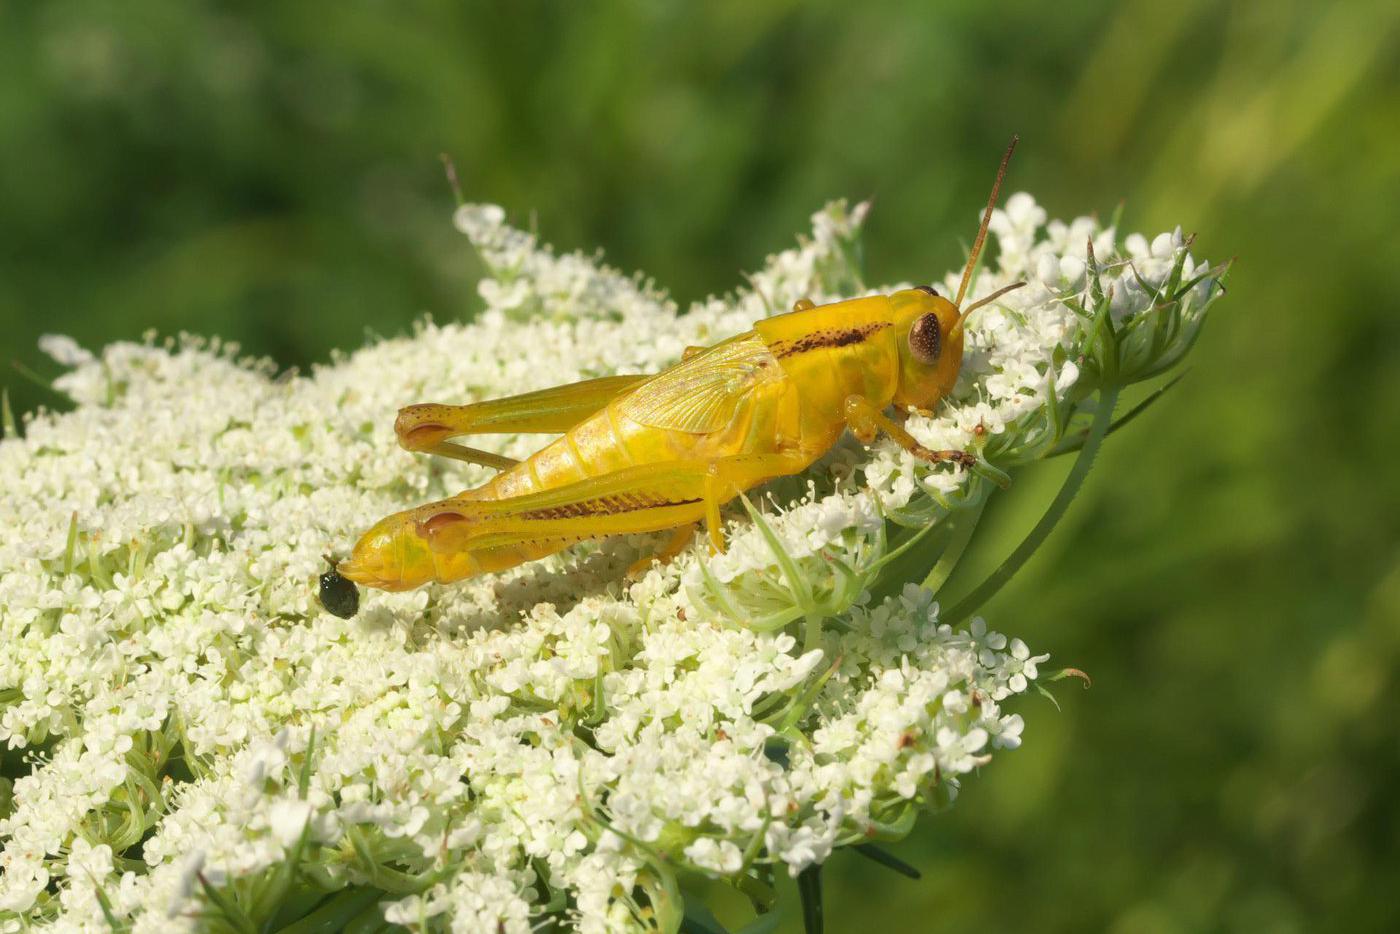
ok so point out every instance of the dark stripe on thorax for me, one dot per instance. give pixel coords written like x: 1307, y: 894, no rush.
x: 833, y: 337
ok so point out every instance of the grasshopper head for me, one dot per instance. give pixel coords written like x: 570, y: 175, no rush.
x: 392, y: 555
x: 930, y: 346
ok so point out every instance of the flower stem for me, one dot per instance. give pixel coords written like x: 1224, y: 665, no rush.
x: 953, y: 552
x: 334, y: 914
x: 809, y: 886
x: 1103, y: 418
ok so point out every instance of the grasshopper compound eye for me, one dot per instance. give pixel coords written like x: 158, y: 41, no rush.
x: 926, y: 339
x: 337, y: 594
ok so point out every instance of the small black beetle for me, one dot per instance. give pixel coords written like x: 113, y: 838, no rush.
x: 338, y: 595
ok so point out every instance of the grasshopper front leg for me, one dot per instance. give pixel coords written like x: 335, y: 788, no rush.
x: 866, y: 422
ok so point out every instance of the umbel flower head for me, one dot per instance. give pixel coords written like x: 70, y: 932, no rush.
x: 194, y: 743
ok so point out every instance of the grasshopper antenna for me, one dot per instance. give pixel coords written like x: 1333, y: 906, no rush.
x: 982, y: 237
x: 450, y: 168
x: 988, y: 300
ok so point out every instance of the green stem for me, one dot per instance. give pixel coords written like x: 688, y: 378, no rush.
x: 759, y: 893
x: 1075, y: 443
x: 809, y: 886
x: 812, y: 632
x: 887, y: 859
x: 336, y: 913
x: 953, y: 552
x: 8, y: 428
x: 1103, y: 418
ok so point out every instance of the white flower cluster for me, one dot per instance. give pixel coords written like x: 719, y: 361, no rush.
x: 186, y: 731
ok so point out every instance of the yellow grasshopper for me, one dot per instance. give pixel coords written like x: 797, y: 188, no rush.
x: 649, y: 453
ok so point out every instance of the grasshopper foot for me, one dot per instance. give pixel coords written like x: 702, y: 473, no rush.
x: 961, y: 458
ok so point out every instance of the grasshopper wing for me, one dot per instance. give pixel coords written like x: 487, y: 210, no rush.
x: 702, y: 394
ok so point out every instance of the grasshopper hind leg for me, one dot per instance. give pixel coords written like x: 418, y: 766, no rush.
x: 428, y: 427
x: 644, y: 498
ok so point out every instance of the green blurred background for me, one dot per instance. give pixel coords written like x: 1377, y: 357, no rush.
x: 1230, y: 577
